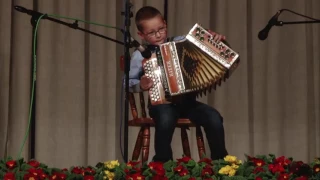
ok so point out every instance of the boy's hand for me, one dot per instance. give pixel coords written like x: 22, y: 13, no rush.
x: 216, y: 36
x: 145, y: 83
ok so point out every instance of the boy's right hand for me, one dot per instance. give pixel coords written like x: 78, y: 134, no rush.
x: 145, y: 83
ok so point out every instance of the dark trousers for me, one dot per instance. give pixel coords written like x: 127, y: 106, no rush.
x: 166, y: 116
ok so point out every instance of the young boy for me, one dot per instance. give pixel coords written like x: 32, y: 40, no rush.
x: 153, y: 29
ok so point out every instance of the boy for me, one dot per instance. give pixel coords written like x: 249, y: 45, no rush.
x: 153, y: 29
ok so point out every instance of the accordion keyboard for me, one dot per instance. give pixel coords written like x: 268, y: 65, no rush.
x: 153, y: 71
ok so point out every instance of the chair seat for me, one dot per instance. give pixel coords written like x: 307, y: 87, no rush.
x: 150, y: 122
x: 143, y: 139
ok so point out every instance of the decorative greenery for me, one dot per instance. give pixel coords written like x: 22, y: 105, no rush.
x: 230, y: 168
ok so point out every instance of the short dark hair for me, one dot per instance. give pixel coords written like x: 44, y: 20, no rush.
x: 145, y: 13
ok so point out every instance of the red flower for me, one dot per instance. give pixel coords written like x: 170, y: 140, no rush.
x: 258, y: 162
x: 36, y: 172
x: 9, y: 176
x: 258, y: 178
x: 299, y: 168
x: 78, y: 170
x: 11, y: 164
x: 275, y: 168
x: 62, y: 176
x: 30, y: 176
x: 316, y: 168
x: 157, y: 177
x: 257, y: 170
x: 207, y: 170
x: 192, y: 178
x: 135, y: 176
x: 295, y: 166
x: 283, y: 176
x: 207, y: 161
x: 157, y: 167
x: 183, y: 172
x: 34, y: 163
x: 134, y: 166
x: 282, y: 161
x: 88, y: 177
x: 185, y: 160
x: 178, y: 168
x: 90, y: 170
x: 301, y: 178
x: 58, y: 176
x: 133, y: 163
x: 43, y: 176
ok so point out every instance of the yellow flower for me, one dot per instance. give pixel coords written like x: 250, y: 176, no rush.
x: 111, y: 164
x: 225, y: 170
x: 232, y: 159
x: 110, y: 175
x: 232, y: 172
x: 234, y: 166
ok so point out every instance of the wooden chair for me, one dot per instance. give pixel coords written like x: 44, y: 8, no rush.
x: 142, y: 144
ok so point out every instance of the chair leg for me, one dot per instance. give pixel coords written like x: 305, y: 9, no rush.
x: 138, y: 145
x: 145, y: 144
x: 185, y: 142
x: 200, y: 142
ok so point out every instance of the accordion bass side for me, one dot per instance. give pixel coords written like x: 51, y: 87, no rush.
x: 194, y: 64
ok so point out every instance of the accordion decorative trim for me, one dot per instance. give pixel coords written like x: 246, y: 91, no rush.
x: 204, y: 40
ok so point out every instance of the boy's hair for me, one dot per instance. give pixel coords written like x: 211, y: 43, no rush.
x: 145, y: 13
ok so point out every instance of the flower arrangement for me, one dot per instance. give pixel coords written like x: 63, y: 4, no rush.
x: 261, y: 167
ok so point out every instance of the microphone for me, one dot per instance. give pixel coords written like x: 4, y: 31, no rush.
x: 145, y: 52
x: 263, y: 34
x: 27, y: 11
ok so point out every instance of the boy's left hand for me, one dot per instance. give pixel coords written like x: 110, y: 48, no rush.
x: 216, y: 36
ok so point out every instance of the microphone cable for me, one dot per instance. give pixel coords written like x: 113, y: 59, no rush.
x: 34, y: 71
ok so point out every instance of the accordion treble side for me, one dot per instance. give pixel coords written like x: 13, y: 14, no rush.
x: 196, y: 63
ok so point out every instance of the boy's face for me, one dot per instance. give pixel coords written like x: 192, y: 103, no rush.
x: 154, y: 30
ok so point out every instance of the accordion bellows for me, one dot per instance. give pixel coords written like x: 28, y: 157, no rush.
x: 193, y: 64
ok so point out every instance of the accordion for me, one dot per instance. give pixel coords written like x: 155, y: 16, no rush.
x: 195, y: 63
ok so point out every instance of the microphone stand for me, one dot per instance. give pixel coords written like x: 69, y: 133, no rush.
x: 281, y: 23
x: 127, y: 45
x: 127, y: 14
x: 35, y: 15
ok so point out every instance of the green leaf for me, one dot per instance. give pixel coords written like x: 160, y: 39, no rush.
x: 168, y: 165
x: 196, y: 171
x: 20, y: 161
x: 25, y: 167
x: 191, y: 164
x: 20, y: 174
x: 100, y: 165
x: 71, y: 177
x: 9, y: 158
x: 2, y: 173
x: 43, y: 166
x: 147, y: 172
x: 248, y: 171
x: 3, y: 166
x: 169, y: 175
x: 185, y: 177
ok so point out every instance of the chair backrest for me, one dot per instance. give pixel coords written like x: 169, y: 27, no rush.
x: 132, y: 99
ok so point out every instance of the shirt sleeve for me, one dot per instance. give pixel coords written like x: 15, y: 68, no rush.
x: 135, y: 69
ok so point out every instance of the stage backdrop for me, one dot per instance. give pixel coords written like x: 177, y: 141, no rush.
x: 270, y: 104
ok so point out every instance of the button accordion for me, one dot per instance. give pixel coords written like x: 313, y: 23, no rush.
x: 196, y: 63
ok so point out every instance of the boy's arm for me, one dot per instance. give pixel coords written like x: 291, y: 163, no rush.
x: 135, y: 71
